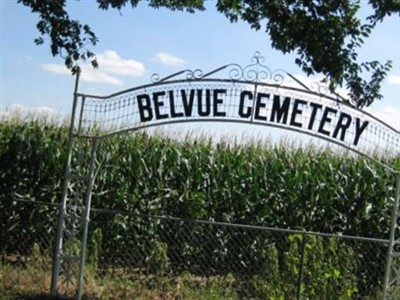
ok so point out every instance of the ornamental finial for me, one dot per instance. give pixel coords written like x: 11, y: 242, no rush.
x: 258, y: 58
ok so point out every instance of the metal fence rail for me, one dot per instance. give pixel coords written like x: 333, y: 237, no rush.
x: 162, y: 254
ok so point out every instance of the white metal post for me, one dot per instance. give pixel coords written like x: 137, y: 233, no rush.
x: 63, y: 202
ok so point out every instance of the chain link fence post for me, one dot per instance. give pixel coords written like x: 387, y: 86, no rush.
x: 300, y: 281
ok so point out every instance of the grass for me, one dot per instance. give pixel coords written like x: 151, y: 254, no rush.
x: 19, y: 282
x: 33, y: 282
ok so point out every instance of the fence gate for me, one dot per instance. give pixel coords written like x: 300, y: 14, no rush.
x: 252, y: 95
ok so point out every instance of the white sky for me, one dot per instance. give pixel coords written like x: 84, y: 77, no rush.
x: 135, y: 43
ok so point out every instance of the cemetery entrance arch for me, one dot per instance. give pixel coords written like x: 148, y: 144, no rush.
x: 251, y: 95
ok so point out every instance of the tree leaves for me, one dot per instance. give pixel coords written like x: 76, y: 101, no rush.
x: 68, y: 38
x: 325, y: 35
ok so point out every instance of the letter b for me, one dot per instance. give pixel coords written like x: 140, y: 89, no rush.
x: 145, y: 110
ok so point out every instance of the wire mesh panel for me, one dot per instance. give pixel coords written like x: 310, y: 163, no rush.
x: 257, y: 262
x: 275, y: 106
x: 253, y: 94
x: 27, y: 239
x: 143, y: 257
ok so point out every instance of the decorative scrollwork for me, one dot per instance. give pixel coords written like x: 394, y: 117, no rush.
x: 319, y: 88
x: 235, y: 72
x: 187, y: 74
x: 315, y: 86
x: 195, y: 74
x: 255, y: 72
x: 257, y: 58
x: 322, y: 89
x: 155, y: 77
x: 256, y: 75
x: 278, y: 77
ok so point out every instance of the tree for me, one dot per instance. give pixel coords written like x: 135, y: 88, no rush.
x: 325, y: 35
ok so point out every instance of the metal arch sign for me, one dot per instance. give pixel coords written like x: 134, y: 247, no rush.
x: 252, y: 95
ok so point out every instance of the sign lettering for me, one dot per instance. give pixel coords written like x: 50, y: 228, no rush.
x: 263, y: 107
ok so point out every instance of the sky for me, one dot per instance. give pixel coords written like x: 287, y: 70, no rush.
x: 135, y: 43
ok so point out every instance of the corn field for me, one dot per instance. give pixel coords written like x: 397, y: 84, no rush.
x: 150, y: 190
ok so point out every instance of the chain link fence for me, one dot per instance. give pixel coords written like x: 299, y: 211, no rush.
x: 146, y: 257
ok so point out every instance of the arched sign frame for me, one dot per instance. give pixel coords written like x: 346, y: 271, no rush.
x: 253, y: 95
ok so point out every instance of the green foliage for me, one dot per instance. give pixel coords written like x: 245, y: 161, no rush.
x: 94, y: 249
x: 276, y: 186
x: 36, y: 252
x: 325, y: 35
x: 158, y: 261
x: 69, y: 38
x: 329, y: 271
x: 31, y: 156
x: 329, y: 266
